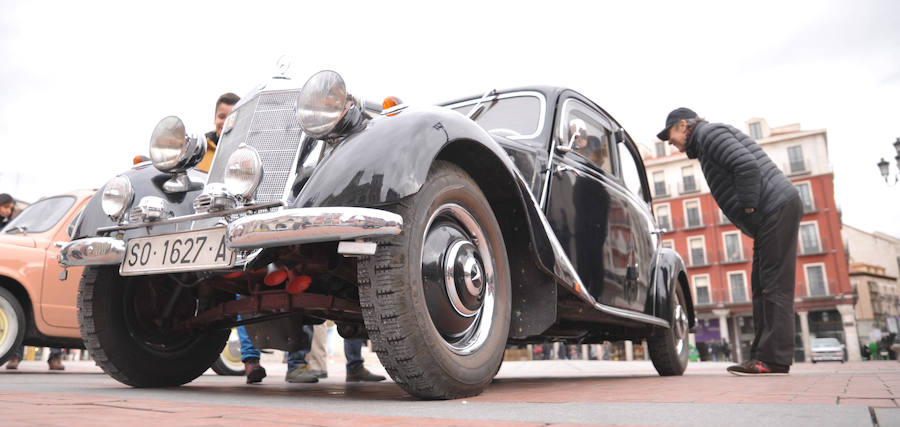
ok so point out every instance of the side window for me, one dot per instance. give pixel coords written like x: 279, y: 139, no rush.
x: 631, y: 174
x: 587, y: 133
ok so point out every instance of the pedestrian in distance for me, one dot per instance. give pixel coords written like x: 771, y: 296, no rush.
x: 224, y: 105
x: 763, y: 204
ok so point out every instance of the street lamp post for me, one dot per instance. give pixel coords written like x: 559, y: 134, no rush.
x: 885, y: 167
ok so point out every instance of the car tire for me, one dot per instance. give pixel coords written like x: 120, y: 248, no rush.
x: 119, y: 325
x: 229, y: 362
x: 12, y: 325
x: 670, y: 351
x: 439, y: 337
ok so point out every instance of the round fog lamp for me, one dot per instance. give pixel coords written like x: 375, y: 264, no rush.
x: 243, y: 171
x: 322, y: 103
x: 168, y: 144
x: 117, y: 194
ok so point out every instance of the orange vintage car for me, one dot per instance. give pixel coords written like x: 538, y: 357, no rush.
x: 36, y: 307
x: 38, y: 302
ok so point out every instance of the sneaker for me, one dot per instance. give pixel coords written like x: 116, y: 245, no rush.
x: 317, y: 373
x: 363, y: 374
x: 254, y: 372
x: 13, y: 363
x: 758, y: 367
x: 301, y: 374
x: 55, y: 364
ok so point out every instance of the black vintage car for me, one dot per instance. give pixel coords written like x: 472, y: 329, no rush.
x: 442, y: 234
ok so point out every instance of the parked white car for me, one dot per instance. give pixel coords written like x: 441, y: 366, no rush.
x: 826, y: 349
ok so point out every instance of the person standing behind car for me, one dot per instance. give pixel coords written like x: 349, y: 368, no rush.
x: 7, y: 205
x: 764, y: 205
x: 224, y: 105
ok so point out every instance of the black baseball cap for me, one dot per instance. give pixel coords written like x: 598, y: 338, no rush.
x: 676, y: 115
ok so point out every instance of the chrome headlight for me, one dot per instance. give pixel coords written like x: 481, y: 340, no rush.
x: 171, y: 149
x: 117, y: 195
x: 243, y: 171
x: 323, y: 105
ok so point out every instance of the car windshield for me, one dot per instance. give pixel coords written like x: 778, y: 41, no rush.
x: 40, y: 216
x: 825, y: 342
x: 508, y: 115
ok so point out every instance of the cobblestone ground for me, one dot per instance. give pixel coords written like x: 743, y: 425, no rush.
x: 524, y: 393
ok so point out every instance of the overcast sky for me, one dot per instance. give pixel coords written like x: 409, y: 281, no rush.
x: 82, y: 84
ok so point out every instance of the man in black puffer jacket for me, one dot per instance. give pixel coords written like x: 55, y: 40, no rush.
x: 762, y: 203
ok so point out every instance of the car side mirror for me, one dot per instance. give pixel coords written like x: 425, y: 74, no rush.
x: 620, y: 136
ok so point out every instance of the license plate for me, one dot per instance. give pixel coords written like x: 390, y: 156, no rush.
x: 187, y: 251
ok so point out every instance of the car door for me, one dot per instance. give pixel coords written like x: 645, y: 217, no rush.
x: 59, y: 297
x: 591, y: 212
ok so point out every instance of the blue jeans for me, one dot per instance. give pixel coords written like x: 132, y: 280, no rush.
x: 296, y: 359
x: 353, y: 353
x: 248, y: 350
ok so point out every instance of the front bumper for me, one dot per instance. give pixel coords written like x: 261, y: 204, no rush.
x: 265, y: 230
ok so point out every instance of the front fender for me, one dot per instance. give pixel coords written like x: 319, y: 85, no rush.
x: 670, y: 273
x: 390, y: 158
x: 146, y: 180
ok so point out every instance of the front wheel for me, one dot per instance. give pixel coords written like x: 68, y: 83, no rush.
x: 670, y: 351
x: 436, y: 298
x: 229, y: 361
x: 121, y: 326
x: 12, y: 325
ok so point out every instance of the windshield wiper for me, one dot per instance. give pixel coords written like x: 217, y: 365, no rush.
x: 20, y: 228
x: 479, y: 106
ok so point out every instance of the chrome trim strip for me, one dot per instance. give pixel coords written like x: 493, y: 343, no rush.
x: 310, y: 225
x: 541, y: 120
x: 92, y: 251
x: 192, y: 217
x: 565, y: 272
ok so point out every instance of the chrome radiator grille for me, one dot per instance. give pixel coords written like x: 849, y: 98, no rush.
x: 268, y: 124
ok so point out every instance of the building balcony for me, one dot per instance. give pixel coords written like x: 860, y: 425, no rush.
x: 661, y: 190
x: 737, y: 257
x: 688, y: 185
x: 799, y: 167
x: 815, y: 248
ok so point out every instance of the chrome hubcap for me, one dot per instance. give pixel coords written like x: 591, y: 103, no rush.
x: 458, y: 278
x: 679, y: 325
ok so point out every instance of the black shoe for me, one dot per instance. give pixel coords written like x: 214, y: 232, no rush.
x: 363, y: 374
x: 758, y: 368
x: 255, y: 373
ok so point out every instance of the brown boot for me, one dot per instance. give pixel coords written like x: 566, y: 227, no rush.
x: 55, y: 364
x: 13, y: 363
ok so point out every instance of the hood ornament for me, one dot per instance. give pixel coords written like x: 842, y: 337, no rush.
x: 283, y: 64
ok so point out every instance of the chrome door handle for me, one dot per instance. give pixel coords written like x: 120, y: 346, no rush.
x: 564, y: 168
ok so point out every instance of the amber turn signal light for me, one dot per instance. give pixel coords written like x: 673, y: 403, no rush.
x: 390, y: 102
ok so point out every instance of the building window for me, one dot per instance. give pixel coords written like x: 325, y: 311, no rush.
x: 668, y: 244
x: 660, y: 149
x: 662, y: 217
x: 659, y: 184
x: 809, y: 238
x: 692, y: 213
x: 755, y: 130
x: 733, y: 251
x: 701, y: 289
x: 806, y: 196
x: 738, y: 286
x: 815, y: 280
x: 795, y: 157
x: 688, y: 183
x: 697, y: 247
